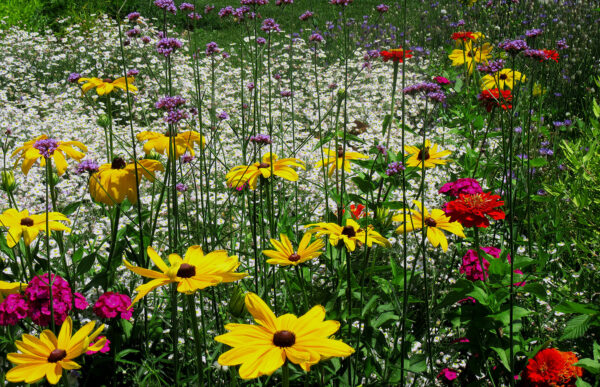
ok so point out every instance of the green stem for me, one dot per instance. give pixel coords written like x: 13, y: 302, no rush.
x: 286, y: 375
x: 196, y: 332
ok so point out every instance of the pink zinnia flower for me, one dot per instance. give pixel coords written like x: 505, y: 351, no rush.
x: 104, y: 349
x: 111, y: 305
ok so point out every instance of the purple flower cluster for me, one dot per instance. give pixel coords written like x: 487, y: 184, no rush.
x: 208, y: 8
x: 254, y: 2
x: 186, y: 158
x: 306, y: 15
x: 13, y: 309
x: 465, y: 186
x: 261, y: 139
x: 534, y: 33
x: 111, y: 305
x: 46, y: 147
x: 167, y: 5
x: 382, y: 8
x: 134, y: 32
x: 175, y: 115
x: 133, y: 72
x: 224, y: 12
x: 187, y: 7
x: 344, y: 3
x: 491, y: 67
x: 286, y: 93
x: 74, y: 77
x: 281, y: 2
x: 146, y: 39
x: 133, y: 16
x: 535, y: 54
x: 194, y: 16
x: 89, y: 166
x: 381, y: 148
x: 437, y: 96
x: 426, y: 87
x: 180, y: 187
x: 169, y: 103
x: 166, y: 46
x: 395, y: 168
x: 212, y: 48
x: 316, y: 37
x: 260, y: 40
x: 562, y: 44
x: 513, y: 47
x: 558, y: 124
x: 37, y: 295
x: 223, y: 116
x: 269, y: 25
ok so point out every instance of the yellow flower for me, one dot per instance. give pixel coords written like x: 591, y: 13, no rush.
x: 264, y: 348
x: 538, y: 90
x: 7, y: 288
x: 105, y: 86
x: 431, y: 155
x: 285, y: 255
x: 500, y: 79
x: 435, y: 223
x: 49, y: 355
x: 42, y: 147
x: 242, y: 174
x: 470, y: 55
x: 351, y: 234
x: 184, y: 142
x: 195, y: 271
x: 115, y: 182
x: 29, y: 226
x: 335, y: 159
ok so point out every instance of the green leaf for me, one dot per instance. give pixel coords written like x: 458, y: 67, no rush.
x: 538, y: 162
x: 383, y: 318
x: 71, y: 208
x: 596, y: 351
x: 573, y: 307
x: 576, y: 327
x: 503, y: 357
x: 537, y: 289
x: 504, y: 316
x: 417, y: 364
x: 86, y: 264
x: 582, y: 383
x: 590, y: 365
x: 370, y: 305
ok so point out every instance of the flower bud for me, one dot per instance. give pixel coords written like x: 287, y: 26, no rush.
x: 103, y: 121
x: 237, y: 305
x: 153, y: 155
x: 8, y: 181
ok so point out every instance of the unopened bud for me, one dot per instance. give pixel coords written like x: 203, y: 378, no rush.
x: 8, y: 181
x: 153, y: 155
x: 237, y: 305
x: 103, y: 121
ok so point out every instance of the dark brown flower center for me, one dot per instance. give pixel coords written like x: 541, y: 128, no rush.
x: 340, y: 153
x: 423, y: 154
x: 349, y: 232
x: 430, y: 222
x: 503, y: 76
x: 107, y: 80
x: 284, y: 339
x: 294, y: 257
x: 186, y: 271
x: 118, y: 163
x: 264, y: 165
x: 470, y: 54
x: 27, y: 222
x: 57, y: 355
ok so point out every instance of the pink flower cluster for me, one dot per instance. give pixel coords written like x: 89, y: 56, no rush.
x: 13, y: 309
x: 104, y: 349
x: 465, y: 186
x: 471, y: 267
x: 111, y: 305
x: 447, y: 375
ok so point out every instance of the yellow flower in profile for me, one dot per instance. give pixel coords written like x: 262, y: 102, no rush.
x: 351, y: 234
x: 470, y: 55
x: 43, y: 147
x: 430, y: 155
x: 7, y: 288
x: 337, y: 159
x: 22, y: 224
x: 285, y: 255
x: 501, y: 79
x: 436, y: 221
x: 184, y: 142
x: 194, y: 272
x: 538, y: 90
x: 116, y: 181
x: 242, y: 174
x: 49, y: 355
x: 264, y: 348
x: 105, y: 86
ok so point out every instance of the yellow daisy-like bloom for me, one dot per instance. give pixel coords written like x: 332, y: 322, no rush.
x: 501, y: 79
x: 30, y: 152
x: 430, y: 155
x: 337, y: 159
x: 351, y: 234
x: 264, y: 348
x: 7, y: 288
x: 194, y: 272
x: 22, y: 224
x: 436, y: 221
x: 285, y: 255
x: 105, y: 86
x: 470, y: 55
x: 242, y: 174
x: 115, y: 182
x: 49, y: 355
x: 184, y: 142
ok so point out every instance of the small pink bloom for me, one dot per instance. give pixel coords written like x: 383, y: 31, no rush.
x: 80, y: 301
x: 447, y: 375
x: 104, y: 349
x: 442, y: 80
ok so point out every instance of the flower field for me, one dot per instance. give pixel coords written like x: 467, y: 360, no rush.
x: 317, y: 193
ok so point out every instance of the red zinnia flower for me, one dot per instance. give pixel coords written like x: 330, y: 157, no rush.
x: 396, y: 54
x: 551, y: 55
x: 551, y: 367
x: 356, y: 210
x: 494, y: 97
x: 471, y: 210
x: 463, y: 35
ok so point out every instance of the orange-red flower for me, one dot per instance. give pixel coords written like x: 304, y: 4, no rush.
x: 494, y: 97
x: 396, y: 54
x: 464, y: 35
x: 551, y: 55
x: 472, y: 210
x: 551, y: 367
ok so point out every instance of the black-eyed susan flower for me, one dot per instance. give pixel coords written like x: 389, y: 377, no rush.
x: 351, y: 234
x: 7, y: 288
x: 48, y: 355
x: 242, y: 174
x: 194, y: 272
x: 22, y: 224
x: 284, y: 253
x: 264, y: 348
x: 435, y: 222
x: 184, y: 142
x: 106, y: 86
x: 501, y: 79
x: 116, y: 181
x: 430, y: 155
x: 338, y: 159
x: 43, y: 148
x: 470, y: 54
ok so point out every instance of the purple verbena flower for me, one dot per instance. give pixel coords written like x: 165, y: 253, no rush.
x: 382, y: 8
x: 180, y: 187
x: 223, y: 116
x: 269, y: 25
x: 395, y: 168
x: 89, y: 166
x: 132, y: 33
x: 46, y: 147
x: 513, y: 47
x: 261, y: 139
x: 212, y: 48
x: 133, y: 16
x: 133, y: 72
x: 175, y: 115
x: 306, y: 15
x: 166, y: 46
x: 74, y: 77
x: 169, y: 103
x: 186, y: 7
x: 223, y: 12
x: 316, y: 37
x: 167, y: 5
x: 534, y: 33
x: 492, y: 67
x: 260, y: 40
x: 426, y: 87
